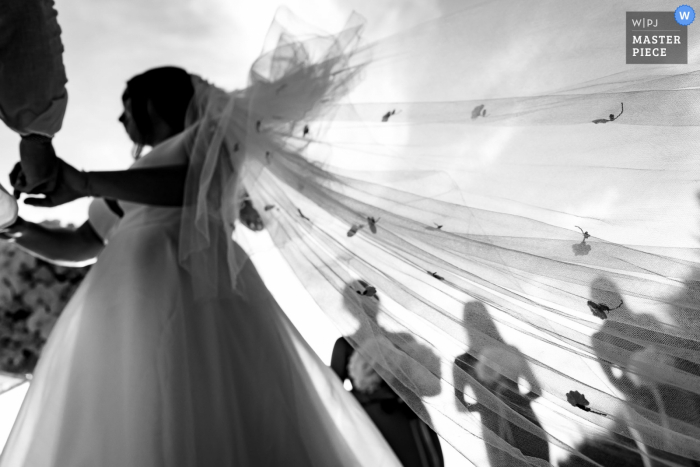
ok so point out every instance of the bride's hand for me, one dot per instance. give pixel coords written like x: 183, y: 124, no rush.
x: 72, y: 184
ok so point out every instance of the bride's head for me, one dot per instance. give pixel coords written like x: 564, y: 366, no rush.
x: 155, y: 104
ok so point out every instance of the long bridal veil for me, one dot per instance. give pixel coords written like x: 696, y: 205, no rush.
x: 467, y: 170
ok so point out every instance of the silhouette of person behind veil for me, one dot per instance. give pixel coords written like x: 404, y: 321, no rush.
x: 626, y: 335
x: 485, y: 342
x: 413, y: 441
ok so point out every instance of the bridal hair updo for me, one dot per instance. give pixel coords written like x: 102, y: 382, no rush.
x: 170, y: 91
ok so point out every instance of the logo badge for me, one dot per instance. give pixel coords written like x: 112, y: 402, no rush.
x: 684, y: 15
x: 656, y: 37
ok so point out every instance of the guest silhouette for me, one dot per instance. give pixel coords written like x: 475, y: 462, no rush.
x: 624, y: 339
x: 413, y: 441
x: 497, y: 366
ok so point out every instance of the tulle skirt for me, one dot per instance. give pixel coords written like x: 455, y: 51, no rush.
x: 137, y: 372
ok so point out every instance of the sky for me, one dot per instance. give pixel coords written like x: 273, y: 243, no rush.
x: 108, y: 41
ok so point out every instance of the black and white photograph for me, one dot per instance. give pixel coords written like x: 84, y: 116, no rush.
x: 349, y: 233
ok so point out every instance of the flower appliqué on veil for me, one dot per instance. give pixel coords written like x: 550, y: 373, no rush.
x: 579, y: 400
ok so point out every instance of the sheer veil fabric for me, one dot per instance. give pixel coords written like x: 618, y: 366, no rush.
x: 459, y: 162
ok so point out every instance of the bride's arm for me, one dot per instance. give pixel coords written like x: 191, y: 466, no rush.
x: 57, y: 245
x: 160, y: 186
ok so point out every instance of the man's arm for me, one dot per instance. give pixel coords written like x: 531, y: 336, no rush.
x: 57, y: 245
x: 33, y: 96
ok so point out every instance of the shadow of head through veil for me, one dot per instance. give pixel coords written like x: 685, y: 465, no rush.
x: 390, y: 372
x: 493, y: 368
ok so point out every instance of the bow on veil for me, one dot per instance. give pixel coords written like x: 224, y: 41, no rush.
x: 464, y: 160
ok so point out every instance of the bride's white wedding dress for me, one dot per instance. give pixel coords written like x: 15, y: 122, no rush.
x: 137, y: 372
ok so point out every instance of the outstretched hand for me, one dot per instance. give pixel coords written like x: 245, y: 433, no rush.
x: 250, y: 217
x: 72, y: 184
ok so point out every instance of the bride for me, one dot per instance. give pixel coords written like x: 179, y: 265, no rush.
x: 148, y: 367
